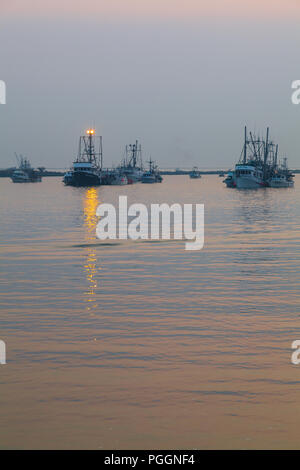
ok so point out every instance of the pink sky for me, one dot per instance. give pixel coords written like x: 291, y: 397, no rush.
x: 160, y: 9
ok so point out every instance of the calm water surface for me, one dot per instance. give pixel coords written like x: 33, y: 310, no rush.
x: 125, y: 345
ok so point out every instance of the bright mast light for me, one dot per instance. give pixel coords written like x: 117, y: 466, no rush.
x: 90, y: 131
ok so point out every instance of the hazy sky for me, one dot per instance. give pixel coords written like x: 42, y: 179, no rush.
x: 182, y: 77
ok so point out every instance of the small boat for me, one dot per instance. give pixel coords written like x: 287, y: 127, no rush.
x: 152, y: 175
x: 148, y: 177
x: 195, y: 173
x: 282, y: 177
x: 87, y: 168
x: 25, y: 173
x: 20, y: 176
x: 280, y: 181
x: 230, y: 180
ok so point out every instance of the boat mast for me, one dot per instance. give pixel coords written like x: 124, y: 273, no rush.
x: 79, y: 150
x: 135, y: 147
x: 254, y: 146
x: 87, y: 150
x: 150, y: 165
x: 101, y: 153
x: 276, y: 156
x: 90, y: 147
x: 245, y: 146
x: 266, y: 153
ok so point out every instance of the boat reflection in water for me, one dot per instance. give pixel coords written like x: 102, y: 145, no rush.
x: 90, y: 221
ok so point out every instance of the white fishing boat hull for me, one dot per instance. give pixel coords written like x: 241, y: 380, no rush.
x: 276, y: 183
x: 248, y: 177
x: 20, y: 176
x: 248, y: 183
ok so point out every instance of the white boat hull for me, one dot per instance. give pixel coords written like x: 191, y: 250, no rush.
x: 281, y: 184
x: 248, y: 183
x: 23, y: 177
x: 20, y: 180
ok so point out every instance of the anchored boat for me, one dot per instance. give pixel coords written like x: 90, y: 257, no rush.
x: 282, y: 177
x: 152, y: 175
x: 87, y: 168
x: 114, y: 178
x: 132, y: 164
x: 195, y: 173
x: 230, y: 180
x: 25, y: 173
x: 258, y: 166
x: 249, y: 172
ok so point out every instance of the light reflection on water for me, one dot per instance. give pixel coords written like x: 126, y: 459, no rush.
x: 91, y: 203
x: 142, y: 344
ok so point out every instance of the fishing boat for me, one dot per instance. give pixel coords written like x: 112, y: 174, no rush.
x: 250, y: 170
x: 152, y: 175
x: 25, y: 173
x: 195, y: 173
x: 280, y: 181
x: 258, y: 166
x: 114, y: 178
x: 132, y: 164
x: 282, y: 177
x: 87, y: 169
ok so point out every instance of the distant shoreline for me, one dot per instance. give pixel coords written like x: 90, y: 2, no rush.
x: 6, y: 173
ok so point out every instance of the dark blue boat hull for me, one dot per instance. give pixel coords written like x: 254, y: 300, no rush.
x: 78, y: 178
